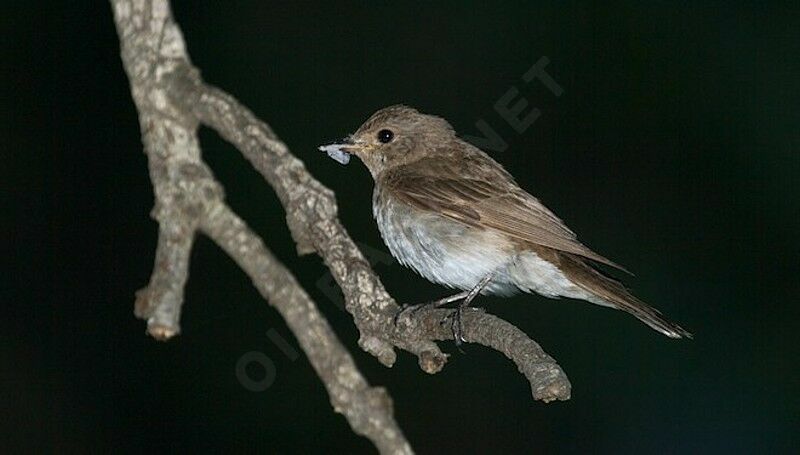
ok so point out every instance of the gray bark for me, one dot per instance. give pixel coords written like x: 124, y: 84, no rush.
x: 172, y: 101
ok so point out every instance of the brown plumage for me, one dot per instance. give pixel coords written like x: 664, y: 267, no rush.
x: 453, y: 214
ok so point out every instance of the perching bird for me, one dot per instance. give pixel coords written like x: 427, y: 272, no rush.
x: 457, y: 217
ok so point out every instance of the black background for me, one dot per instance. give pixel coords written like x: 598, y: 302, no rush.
x: 673, y: 150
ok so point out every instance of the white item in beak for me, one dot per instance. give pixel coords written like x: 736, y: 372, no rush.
x: 335, y: 151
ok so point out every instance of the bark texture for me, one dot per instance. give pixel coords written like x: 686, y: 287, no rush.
x: 173, y: 101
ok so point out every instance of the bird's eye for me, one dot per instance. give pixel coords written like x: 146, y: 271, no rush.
x: 385, y: 136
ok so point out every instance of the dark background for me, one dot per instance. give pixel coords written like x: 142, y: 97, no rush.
x: 673, y: 150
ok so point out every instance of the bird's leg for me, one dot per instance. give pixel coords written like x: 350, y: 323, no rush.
x: 445, y: 300
x: 471, y: 294
x: 434, y: 304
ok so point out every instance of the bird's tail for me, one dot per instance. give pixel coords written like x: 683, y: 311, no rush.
x: 611, y: 292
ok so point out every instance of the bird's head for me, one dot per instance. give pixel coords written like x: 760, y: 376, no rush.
x: 393, y: 136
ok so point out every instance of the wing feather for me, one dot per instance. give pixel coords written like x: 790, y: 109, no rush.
x: 476, y: 202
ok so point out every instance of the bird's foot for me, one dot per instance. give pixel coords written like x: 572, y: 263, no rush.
x: 415, y: 308
x: 458, y: 326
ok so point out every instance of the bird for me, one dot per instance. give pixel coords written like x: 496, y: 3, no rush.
x: 454, y: 215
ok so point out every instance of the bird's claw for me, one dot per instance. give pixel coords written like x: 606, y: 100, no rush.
x: 411, y: 308
x: 458, y: 327
x: 456, y: 323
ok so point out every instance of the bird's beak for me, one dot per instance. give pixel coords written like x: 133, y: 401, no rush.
x: 341, y: 151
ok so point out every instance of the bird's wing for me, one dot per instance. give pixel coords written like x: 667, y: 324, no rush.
x: 479, y: 203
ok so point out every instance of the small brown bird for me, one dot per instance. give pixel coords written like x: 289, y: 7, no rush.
x: 455, y: 216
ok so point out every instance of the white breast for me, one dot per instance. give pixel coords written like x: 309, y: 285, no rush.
x: 442, y: 250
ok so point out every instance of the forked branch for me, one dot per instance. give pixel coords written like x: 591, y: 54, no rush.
x: 172, y: 101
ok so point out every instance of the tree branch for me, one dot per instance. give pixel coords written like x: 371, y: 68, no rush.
x: 172, y: 100
x: 311, y: 214
x: 188, y: 198
x: 368, y: 409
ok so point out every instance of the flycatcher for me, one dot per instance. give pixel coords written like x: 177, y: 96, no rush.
x: 454, y: 215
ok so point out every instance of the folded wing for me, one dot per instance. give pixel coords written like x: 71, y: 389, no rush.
x: 483, y: 203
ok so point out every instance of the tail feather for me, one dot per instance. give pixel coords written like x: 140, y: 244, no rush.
x: 612, y: 293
